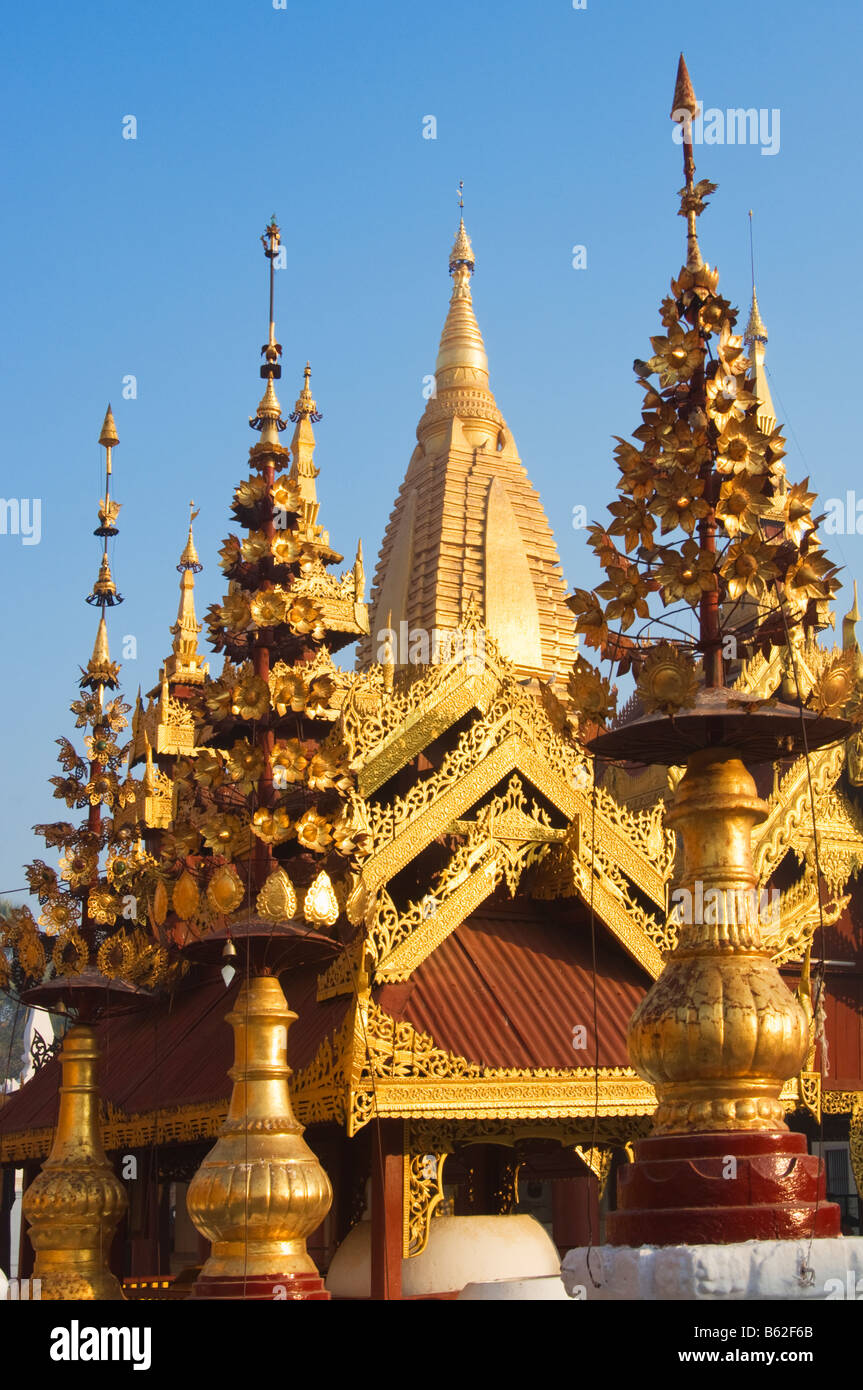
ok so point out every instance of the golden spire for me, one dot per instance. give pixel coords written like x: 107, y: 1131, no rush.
x: 303, y: 471
x: 849, y: 626
x: 269, y: 417
x: 755, y: 339
x: 101, y: 671
x: 185, y: 665
x: 684, y: 110
x: 461, y: 358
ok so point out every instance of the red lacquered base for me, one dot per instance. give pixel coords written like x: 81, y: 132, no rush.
x: 683, y: 1190
x: 270, y: 1288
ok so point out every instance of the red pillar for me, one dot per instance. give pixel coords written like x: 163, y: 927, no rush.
x: 575, y: 1211
x: 387, y: 1204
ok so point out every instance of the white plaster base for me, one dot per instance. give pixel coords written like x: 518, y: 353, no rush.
x: 752, y: 1269
x: 544, y: 1289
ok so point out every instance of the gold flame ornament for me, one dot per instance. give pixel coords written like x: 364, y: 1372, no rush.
x: 668, y: 680
x: 277, y: 900
x: 186, y: 897
x: 225, y: 891
x: 320, y: 905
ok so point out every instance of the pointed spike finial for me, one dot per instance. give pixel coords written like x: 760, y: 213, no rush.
x: 305, y: 407
x: 109, y: 437
x: 684, y: 94
x: 462, y: 251
x: 849, y: 626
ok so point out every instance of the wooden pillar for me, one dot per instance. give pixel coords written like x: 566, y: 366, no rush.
x: 575, y: 1211
x: 27, y: 1255
x: 144, y: 1216
x: 7, y: 1197
x: 387, y: 1205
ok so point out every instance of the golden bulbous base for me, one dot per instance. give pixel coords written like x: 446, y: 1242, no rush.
x: 719, y: 1032
x: 260, y: 1191
x: 75, y: 1202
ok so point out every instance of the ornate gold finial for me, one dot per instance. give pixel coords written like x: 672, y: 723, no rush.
x: 269, y: 417
x: 462, y: 251
x: 684, y: 110
x: 109, y: 437
x: 100, y: 669
x: 306, y: 408
x: 755, y: 330
x: 189, y: 558
x: 104, y: 590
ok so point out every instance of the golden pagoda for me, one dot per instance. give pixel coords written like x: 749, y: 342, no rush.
x: 467, y: 524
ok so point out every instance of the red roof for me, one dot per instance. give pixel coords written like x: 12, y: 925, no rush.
x: 508, y: 987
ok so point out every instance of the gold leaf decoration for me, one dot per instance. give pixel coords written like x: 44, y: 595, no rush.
x: 186, y: 897
x: 277, y: 900
x: 225, y: 891
x: 159, y: 906
x: 320, y: 905
x: 667, y: 681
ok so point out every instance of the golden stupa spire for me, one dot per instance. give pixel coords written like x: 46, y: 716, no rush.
x: 101, y: 671
x: 461, y: 356
x: 467, y: 519
x: 849, y: 627
x: 755, y: 339
x: 269, y: 417
x: 305, y: 412
x: 185, y: 664
x: 684, y: 110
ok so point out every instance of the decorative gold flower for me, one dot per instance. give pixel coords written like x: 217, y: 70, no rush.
x: 303, y: 616
x: 100, y: 746
x: 268, y: 608
x: 78, y: 867
x: 740, y: 448
x: 811, y: 576
x: 747, y: 567
x: 625, y: 591
x: 327, y: 771
x: 727, y: 398
x: 230, y: 554
x: 219, y: 698
x: 314, y: 832
x: 70, y: 954
x: 225, y: 834
x: 272, y: 826
x: 687, y: 574
x: 102, y: 789
x: 798, y: 511
x: 286, y: 496
x: 249, y: 492
x: 667, y: 680
x: 69, y: 759
x: 633, y: 521
x: 289, y: 691
x: 69, y: 790
x: 350, y: 837
x: 251, y: 697
x: 179, y: 843
x: 114, y: 715
x: 321, y: 692
x: 288, y: 762
x: 591, y: 692
x: 740, y: 506
x: 119, y: 870
x: 209, y: 768
x: 679, y: 501
x: 235, y: 612
x: 255, y: 546
x: 88, y: 710
x: 677, y: 355
x: 41, y: 879
x: 285, y: 548
x: 245, y: 764
x: 590, y: 616
x: 102, y: 906
x: 58, y: 916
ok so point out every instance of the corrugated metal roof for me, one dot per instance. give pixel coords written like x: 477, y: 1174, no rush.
x: 509, y: 986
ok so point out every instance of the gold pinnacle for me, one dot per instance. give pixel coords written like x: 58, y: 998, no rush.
x: 684, y: 93
x: 109, y: 437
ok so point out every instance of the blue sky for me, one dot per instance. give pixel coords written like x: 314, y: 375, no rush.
x: 142, y: 257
